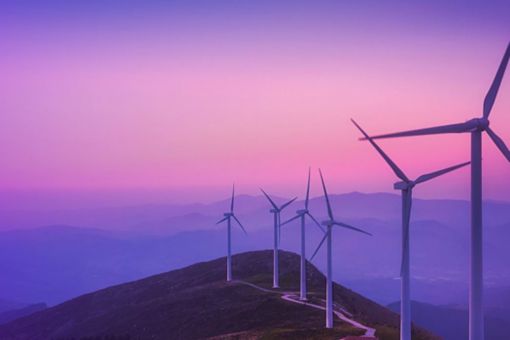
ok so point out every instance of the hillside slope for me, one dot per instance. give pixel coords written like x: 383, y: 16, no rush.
x: 195, y: 302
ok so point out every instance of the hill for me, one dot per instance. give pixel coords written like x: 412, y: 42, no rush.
x: 195, y: 302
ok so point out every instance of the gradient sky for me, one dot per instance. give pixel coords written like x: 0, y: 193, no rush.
x: 117, y: 95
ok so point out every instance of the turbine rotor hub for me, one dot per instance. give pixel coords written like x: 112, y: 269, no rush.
x: 404, y: 185
x: 482, y: 123
x: 229, y: 214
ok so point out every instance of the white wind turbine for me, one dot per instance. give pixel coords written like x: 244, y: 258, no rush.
x: 406, y: 187
x: 275, y: 210
x: 475, y: 127
x: 328, y: 236
x: 302, y: 213
x: 228, y: 216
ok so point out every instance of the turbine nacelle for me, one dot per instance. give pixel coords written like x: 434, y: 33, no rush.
x: 331, y: 222
x: 302, y: 213
x: 402, y: 185
x: 274, y: 211
x: 480, y: 124
x: 228, y: 215
x: 474, y: 126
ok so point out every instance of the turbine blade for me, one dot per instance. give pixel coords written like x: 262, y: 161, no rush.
x: 405, y: 230
x: 404, y: 233
x: 316, y: 222
x: 270, y: 200
x: 330, y: 212
x: 405, y: 246
x: 341, y: 224
x: 490, y: 98
x: 232, y: 201
x: 222, y: 220
x: 238, y: 222
x: 319, y: 246
x: 307, y: 190
x: 287, y: 204
x: 499, y: 143
x: 451, y: 128
x: 290, y: 220
x: 400, y: 174
x: 429, y: 176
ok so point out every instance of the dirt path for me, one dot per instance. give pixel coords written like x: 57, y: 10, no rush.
x: 293, y: 297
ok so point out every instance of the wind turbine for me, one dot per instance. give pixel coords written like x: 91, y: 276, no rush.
x: 406, y: 187
x: 228, y: 216
x: 302, y: 213
x: 475, y: 127
x: 329, y: 283
x: 275, y: 210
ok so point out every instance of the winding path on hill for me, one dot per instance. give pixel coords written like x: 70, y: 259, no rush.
x: 292, y: 297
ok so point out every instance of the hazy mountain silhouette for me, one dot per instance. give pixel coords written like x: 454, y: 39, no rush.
x: 14, y: 314
x: 196, y: 302
x: 7, y: 305
x: 55, y: 263
x: 453, y: 323
x: 383, y: 206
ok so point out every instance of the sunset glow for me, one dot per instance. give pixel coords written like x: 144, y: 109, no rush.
x: 165, y: 96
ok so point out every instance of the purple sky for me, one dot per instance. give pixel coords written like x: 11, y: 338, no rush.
x: 118, y: 96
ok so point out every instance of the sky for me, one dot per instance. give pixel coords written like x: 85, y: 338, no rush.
x: 187, y: 97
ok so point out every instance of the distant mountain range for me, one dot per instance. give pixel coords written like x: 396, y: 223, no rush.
x: 165, y: 218
x: 14, y: 314
x: 114, y: 245
x: 7, y: 305
x: 453, y: 323
x: 196, y: 302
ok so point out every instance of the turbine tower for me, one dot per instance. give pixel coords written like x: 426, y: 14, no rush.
x: 406, y: 187
x: 302, y: 213
x: 275, y: 210
x: 329, y: 283
x: 228, y: 216
x: 475, y: 127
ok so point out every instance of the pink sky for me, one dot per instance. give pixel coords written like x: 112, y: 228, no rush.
x: 103, y: 103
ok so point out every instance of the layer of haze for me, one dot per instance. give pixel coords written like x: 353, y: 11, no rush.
x: 128, y: 97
